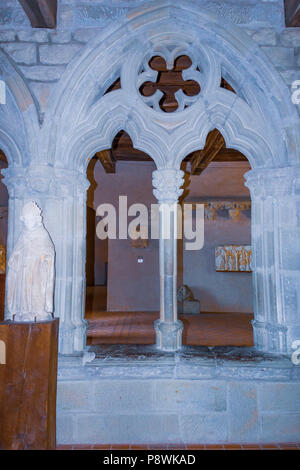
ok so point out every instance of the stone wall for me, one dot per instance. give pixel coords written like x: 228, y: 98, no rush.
x: 42, y: 55
x: 178, y: 399
x: 47, y: 162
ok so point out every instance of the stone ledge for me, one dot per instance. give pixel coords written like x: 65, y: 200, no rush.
x: 191, y: 362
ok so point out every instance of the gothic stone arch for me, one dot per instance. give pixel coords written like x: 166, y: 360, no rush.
x: 18, y: 125
x: 258, y: 119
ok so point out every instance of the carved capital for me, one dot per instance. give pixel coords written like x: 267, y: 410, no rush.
x: 68, y: 183
x: 15, y: 180
x: 167, y: 184
x: 41, y: 181
x: 274, y: 182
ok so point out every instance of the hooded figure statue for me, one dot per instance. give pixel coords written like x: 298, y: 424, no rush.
x: 30, y: 278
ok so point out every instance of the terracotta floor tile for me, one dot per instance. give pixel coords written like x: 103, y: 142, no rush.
x: 273, y: 446
x: 195, y: 446
x: 288, y: 446
x: 214, y: 447
x: 176, y: 447
x: 120, y: 446
x: 157, y: 446
x: 269, y: 446
x: 102, y: 447
x: 251, y: 446
x: 138, y: 447
x: 232, y: 446
x: 82, y: 447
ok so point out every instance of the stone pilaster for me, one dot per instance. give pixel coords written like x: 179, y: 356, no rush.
x: 275, y: 197
x: 61, y: 194
x: 167, y: 184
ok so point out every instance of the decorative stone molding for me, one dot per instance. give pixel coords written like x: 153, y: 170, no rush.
x: 150, y: 75
x: 241, y: 12
x: 275, y: 182
x: 271, y: 337
x: 168, y: 335
x: 167, y: 183
x: 100, y: 15
x: 39, y: 181
x: 232, y: 258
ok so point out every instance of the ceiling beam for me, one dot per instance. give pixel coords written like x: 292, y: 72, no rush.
x: 230, y: 155
x: 292, y: 13
x: 201, y: 159
x: 107, y: 161
x: 3, y: 157
x: 41, y: 13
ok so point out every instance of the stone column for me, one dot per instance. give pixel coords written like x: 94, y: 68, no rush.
x: 167, y: 183
x: 275, y: 195
x: 61, y: 194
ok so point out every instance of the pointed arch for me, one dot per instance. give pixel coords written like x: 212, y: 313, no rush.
x: 259, y: 120
x: 19, y: 118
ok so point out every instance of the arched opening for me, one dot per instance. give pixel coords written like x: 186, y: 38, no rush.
x: 215, y: 296
x: 234, y: 97
x: 3, y: 232
x: 122, y: 293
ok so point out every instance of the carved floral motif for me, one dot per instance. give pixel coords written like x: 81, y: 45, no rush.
x: 167, y: 184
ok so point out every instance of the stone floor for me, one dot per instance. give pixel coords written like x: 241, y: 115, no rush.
x: 288, y: 446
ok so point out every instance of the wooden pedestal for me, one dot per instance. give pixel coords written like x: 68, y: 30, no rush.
x: 2, y: 296
x: 28, y: 385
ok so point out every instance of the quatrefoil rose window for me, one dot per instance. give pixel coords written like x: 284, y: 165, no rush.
x: 169, y: 87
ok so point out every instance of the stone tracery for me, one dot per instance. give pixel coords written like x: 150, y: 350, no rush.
x: 258, y: 120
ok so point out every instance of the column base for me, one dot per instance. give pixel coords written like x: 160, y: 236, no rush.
x: 272, y: 338
x: 72, y: 338
x: 168, y: 335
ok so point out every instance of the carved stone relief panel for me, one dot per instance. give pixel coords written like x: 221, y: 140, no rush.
x: 233, y: 258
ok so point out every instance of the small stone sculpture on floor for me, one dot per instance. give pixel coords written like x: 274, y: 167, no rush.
x: 30, y: 278
x: 186, y: 302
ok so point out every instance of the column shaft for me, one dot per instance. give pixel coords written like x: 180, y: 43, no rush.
x: 168, y: 328
x: 276, y: 254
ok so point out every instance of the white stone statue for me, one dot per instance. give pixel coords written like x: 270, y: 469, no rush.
x: 30, y: 278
